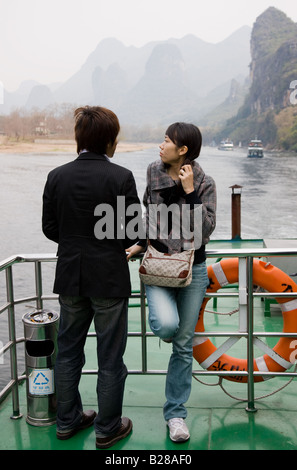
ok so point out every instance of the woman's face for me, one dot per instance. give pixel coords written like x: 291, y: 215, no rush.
x: 170, y: 153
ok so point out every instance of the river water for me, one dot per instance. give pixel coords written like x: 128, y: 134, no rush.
x: 269, y: 194
x: 268, y: 201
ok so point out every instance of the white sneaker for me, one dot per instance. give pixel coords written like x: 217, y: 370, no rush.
x: 178, y: 430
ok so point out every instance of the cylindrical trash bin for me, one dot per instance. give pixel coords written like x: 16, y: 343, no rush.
x: 41, y: 331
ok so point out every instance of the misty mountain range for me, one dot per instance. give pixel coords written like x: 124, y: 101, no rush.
x: 178, y: 79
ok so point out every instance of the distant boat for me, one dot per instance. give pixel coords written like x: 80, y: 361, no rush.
x: 255, y: 149
x: 226, y: 145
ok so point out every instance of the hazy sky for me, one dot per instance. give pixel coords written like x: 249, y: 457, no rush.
x: 49, y: 40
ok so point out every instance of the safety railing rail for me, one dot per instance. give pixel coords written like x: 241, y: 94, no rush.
x: 245, y: 256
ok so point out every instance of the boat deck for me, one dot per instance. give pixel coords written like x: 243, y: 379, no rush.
x: 217, y: 420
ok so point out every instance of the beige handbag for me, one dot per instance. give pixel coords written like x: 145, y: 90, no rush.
x: 166, y: 270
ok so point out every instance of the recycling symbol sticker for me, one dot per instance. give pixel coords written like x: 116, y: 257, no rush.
x: 41, y: 382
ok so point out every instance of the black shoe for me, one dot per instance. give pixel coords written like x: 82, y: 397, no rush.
x: 124, y: 431
x: 87, y: 420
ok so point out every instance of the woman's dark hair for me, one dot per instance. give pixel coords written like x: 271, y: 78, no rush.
x: 95, y: 128
x: 182, y: 133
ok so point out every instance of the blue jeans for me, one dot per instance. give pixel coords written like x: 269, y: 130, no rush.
x: 110, y: 320
x: 173, y: 313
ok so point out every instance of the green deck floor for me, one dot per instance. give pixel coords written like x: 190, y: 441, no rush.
x: 215, y: 420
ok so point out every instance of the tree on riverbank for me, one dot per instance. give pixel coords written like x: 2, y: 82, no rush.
x: 22, y: 124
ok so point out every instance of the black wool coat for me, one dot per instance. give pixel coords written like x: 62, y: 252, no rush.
x: 88, y: 266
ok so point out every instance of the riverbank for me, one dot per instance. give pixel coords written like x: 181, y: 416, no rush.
x: 57, y: 145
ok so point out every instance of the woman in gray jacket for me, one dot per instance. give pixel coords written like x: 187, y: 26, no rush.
x: 177, y: 179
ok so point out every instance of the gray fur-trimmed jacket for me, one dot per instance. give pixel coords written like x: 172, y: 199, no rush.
x: 160, y: 185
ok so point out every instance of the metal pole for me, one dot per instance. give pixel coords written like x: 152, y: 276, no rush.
x: 236, y: 212
x: 13, y: 353
x: 143, y: 328
x: 38, y: 285
x: 250, y: 346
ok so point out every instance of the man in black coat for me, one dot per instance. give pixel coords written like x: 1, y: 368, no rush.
x: 84, y: 210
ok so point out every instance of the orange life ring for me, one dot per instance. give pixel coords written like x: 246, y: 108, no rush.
x: 271, y: 279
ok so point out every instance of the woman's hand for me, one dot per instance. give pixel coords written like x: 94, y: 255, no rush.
x: 186, y: 176
x: 134, y: 250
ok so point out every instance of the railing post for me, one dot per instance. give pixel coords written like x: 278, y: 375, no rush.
x: 250, y: 346
x: 12, y: 337
x: 242, y: 294
x: 38, y: 285
x: 143, y: 327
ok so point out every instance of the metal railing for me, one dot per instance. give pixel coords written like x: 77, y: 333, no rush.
x: 246, y: 314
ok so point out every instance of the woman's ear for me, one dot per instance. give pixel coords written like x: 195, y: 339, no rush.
x: 183, y: 150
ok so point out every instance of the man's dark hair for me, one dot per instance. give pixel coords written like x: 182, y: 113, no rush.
x: 95, y: 128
